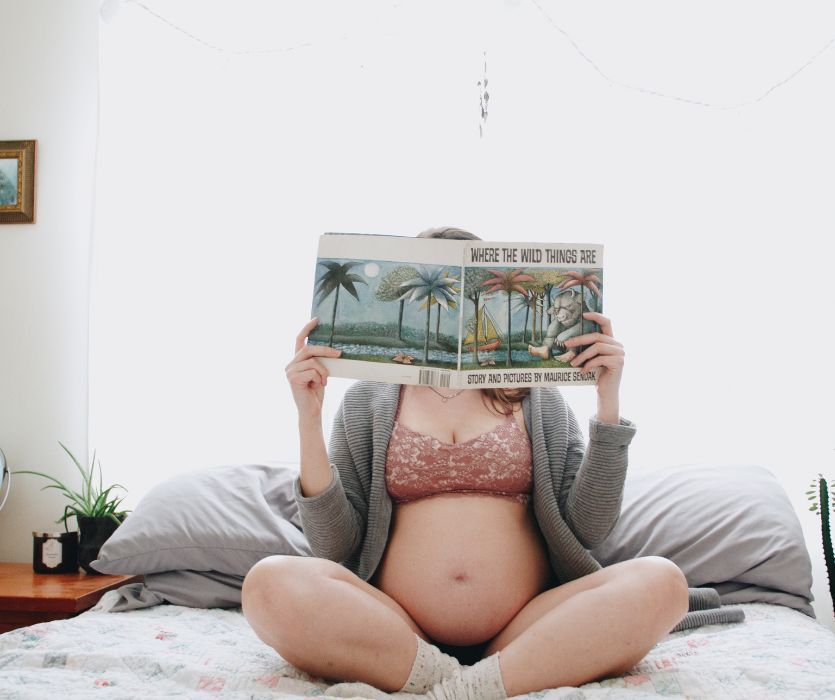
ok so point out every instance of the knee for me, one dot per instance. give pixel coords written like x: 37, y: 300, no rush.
x: 280, y: 589
x: 665, y: 584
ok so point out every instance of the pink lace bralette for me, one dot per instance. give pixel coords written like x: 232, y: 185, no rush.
x: 497, y: 463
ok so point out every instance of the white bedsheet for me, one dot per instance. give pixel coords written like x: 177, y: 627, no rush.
x: 169, y: 650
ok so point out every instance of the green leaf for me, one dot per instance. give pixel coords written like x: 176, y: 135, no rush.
x: 106, y: 492
x: 813, y: 507
x: 84, y: 477
x: 97, y: 506
x: 46, y: 476
x: 89, y: 482
x: 89, y: 502
x: 66, y: 515
x: 116, y: 503
x: 71, y: 495
x: 61, y: 488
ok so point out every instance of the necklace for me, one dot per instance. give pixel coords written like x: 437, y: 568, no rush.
x: 444, y: 397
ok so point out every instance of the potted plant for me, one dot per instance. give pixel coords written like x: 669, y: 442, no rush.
x: 96, y: 516
x: 819, y: 494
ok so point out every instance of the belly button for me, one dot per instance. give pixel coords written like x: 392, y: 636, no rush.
x: 460, y: 577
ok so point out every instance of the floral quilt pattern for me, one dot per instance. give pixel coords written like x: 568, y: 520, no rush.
x: 175, y: 651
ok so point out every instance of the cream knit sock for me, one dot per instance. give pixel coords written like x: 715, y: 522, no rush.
x: 431, y: 665
x: 481, y: 681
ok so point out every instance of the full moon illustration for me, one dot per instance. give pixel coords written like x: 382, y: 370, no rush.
x: 371, y: 270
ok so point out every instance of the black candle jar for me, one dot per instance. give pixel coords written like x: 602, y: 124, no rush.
x: 55, y: 552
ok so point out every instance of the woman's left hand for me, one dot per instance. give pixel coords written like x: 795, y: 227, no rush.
x: 605, y: 352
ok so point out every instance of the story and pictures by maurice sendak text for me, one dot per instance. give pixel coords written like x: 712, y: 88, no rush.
x: 455, y: 313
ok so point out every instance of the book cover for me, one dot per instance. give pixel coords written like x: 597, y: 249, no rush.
x: 454, y: 313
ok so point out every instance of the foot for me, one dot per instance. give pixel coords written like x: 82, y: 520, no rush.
x: 481, y: 681
x: 430, y: 666
x: 566, y: 356
x: 542, y: 352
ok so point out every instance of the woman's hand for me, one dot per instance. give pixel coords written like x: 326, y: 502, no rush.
x: 308, y: 376
x: 605, y: 352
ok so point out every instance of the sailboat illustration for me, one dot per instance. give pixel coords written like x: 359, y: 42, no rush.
x: 489, y: 337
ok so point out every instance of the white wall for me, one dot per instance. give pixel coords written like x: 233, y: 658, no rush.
x: 717, y: 222
x: 49, y: 51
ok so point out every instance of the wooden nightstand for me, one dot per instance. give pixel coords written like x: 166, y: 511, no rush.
x: 27, y: 597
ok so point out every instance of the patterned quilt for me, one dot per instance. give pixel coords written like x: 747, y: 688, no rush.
x: 174, y: 651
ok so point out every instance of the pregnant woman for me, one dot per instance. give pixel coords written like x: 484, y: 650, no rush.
x: 450, y: 532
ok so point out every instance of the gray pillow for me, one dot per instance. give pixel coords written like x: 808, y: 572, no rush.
x: 197, y: 589
x: 194, y: 589
x: 222, y: 519
x: 731, y: 528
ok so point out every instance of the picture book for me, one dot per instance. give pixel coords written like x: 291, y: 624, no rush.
x: 455, y: 313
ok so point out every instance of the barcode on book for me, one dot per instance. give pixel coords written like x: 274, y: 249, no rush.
x: 434, y: 377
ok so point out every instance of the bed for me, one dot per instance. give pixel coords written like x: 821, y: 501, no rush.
x: 182, y: 633
x: 173, y: 650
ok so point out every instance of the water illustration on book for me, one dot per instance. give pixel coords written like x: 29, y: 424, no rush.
x: 402, y: 313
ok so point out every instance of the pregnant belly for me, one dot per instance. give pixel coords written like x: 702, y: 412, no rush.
x: 463, y: 565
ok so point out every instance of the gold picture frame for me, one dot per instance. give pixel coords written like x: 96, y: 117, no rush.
x: 17, y: 182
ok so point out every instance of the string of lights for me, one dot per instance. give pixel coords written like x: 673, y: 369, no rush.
x: 110, y: 8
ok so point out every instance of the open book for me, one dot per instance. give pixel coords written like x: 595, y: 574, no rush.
x: 455, y: 313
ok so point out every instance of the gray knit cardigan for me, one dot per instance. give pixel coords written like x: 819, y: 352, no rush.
x: 577, y: 490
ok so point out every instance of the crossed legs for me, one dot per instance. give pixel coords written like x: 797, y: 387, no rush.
x: 325, y: 620
x: 594, y: 627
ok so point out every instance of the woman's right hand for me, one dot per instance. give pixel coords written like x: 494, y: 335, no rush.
x: 308, y: 376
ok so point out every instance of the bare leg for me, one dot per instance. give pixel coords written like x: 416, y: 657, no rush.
x: 328, y: 622
x: 597, y: 626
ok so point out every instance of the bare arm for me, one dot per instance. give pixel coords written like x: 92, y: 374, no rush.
x: 330, y: 521
x: 308, y: 378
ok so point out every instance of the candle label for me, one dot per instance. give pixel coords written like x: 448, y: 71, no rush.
x: 51, y: 554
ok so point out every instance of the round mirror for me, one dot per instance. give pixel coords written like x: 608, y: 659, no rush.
x: 5, y: 479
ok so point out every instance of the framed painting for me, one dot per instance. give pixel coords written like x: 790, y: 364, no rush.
x: 17, y: 182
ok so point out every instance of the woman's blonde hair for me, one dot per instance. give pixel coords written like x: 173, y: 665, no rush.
x: 504, y: 401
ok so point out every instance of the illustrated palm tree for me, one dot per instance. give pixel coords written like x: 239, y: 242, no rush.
x: 474, y: 278
x: 529, y: 302
x: 338, y: 276
x: 429, y: 284
x: 389, y: 290
x: 584, y: 281
x: 452, y: 306
x: 508, y: 281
